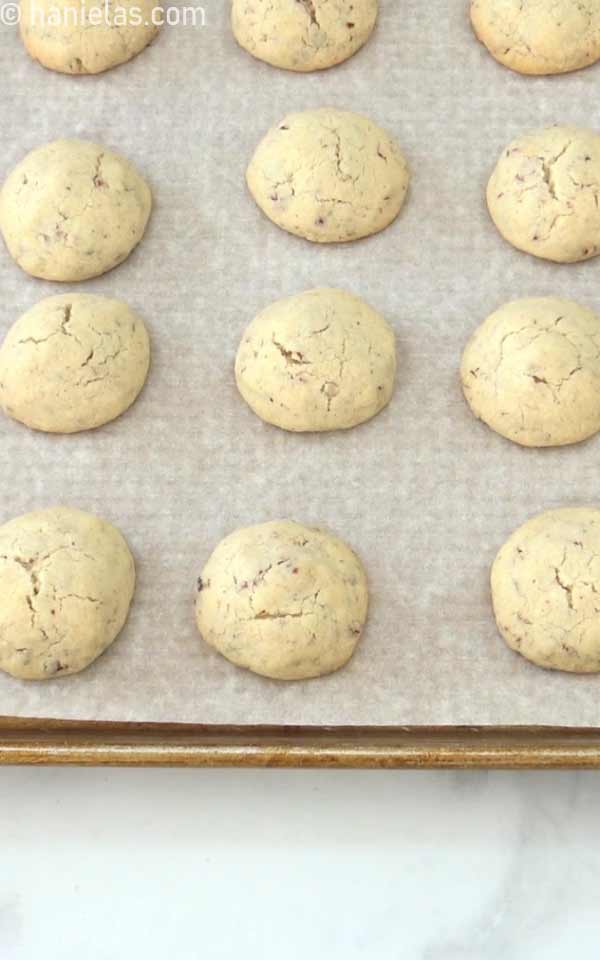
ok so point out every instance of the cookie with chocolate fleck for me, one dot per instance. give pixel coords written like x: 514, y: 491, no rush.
x: 538, y: 37
x: 545, y: 589
x: 329, y: 176
x: 319, y: 360
x: 544, y: 194
x: 70, y: 37
x: 303, y: 35
x: 71, y: 210
x: 73, y: 362
x: 283, y: 600
x: 66, y: 584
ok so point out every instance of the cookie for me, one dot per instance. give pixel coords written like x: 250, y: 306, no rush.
x: 329, y: 176
x: 82, y: 36
x: 303, y: 35
x: 321, y: 360
x: 283, y: 600
x: 66, y: 584
x: 72, y: 210
x: 532, y: 372
x: 73, y: 362
x: 543, y: 195
x: 538, y: 37
x: 545, y: 590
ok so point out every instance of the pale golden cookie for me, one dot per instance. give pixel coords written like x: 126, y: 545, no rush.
x: 283, y: 600
x: 73, y: 362
x: 320, y: 360
x: 303, y: 35
x: 546, y: 590
x: 72, y: 210
x: 329, y: 176
x: 544, y: 195
x: 539, y: 36
x: 531, y: 371
x: 87, y: 36
x: 66, y: 583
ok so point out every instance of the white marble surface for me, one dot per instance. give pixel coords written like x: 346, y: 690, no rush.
x: 149, y: 865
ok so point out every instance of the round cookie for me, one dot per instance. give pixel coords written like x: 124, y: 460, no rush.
x: 329, y: 176
x: 303, y: 35
x: 69, y: 36
x: 321, y: 360
x: 283, y: 600
x: 73, y: 362
x: 72, y: 210
x: 546, y: 590
x: 531, y: 371
x: 543, y: 195
x: 538, y: 37
x: 66, y: 584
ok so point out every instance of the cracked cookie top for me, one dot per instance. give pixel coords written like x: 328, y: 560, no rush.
x: 320, y: 360
x: 543, y: 195
x: 73, y: 362
x: 66, y: 583
x: 531, y: 371
x: 303, y: 35
x: 539, y: 36
x: 329, y: 176
x: 546, y: 590
x: 72, y: 210
x: 283, y: 600
x: 63, y: 35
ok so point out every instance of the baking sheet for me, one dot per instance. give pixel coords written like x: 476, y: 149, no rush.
x: 424, y: 493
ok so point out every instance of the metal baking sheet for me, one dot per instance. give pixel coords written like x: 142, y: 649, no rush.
x: 425, y: 494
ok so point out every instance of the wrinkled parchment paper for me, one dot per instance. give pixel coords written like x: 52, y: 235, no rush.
x: 424, y: 493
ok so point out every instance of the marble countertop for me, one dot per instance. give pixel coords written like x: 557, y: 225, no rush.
x: 106, y: 864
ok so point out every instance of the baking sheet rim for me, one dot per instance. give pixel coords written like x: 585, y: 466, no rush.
x: 92, y: 743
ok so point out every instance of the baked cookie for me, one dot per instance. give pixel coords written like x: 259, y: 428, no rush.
x: 73, y: 362
x: 329, y: 176
x: 546, y: 589
x: 66, y: 584
x: 303, y: 35
x: 543, y: 195
x: 283, y: 600
x: 321, y: 360
x: 532, y: 372
x: 72, y: 210
x: 69, y: 35
x: 539, y: 36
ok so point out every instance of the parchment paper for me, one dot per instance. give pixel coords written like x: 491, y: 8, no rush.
x: 424, y: 493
